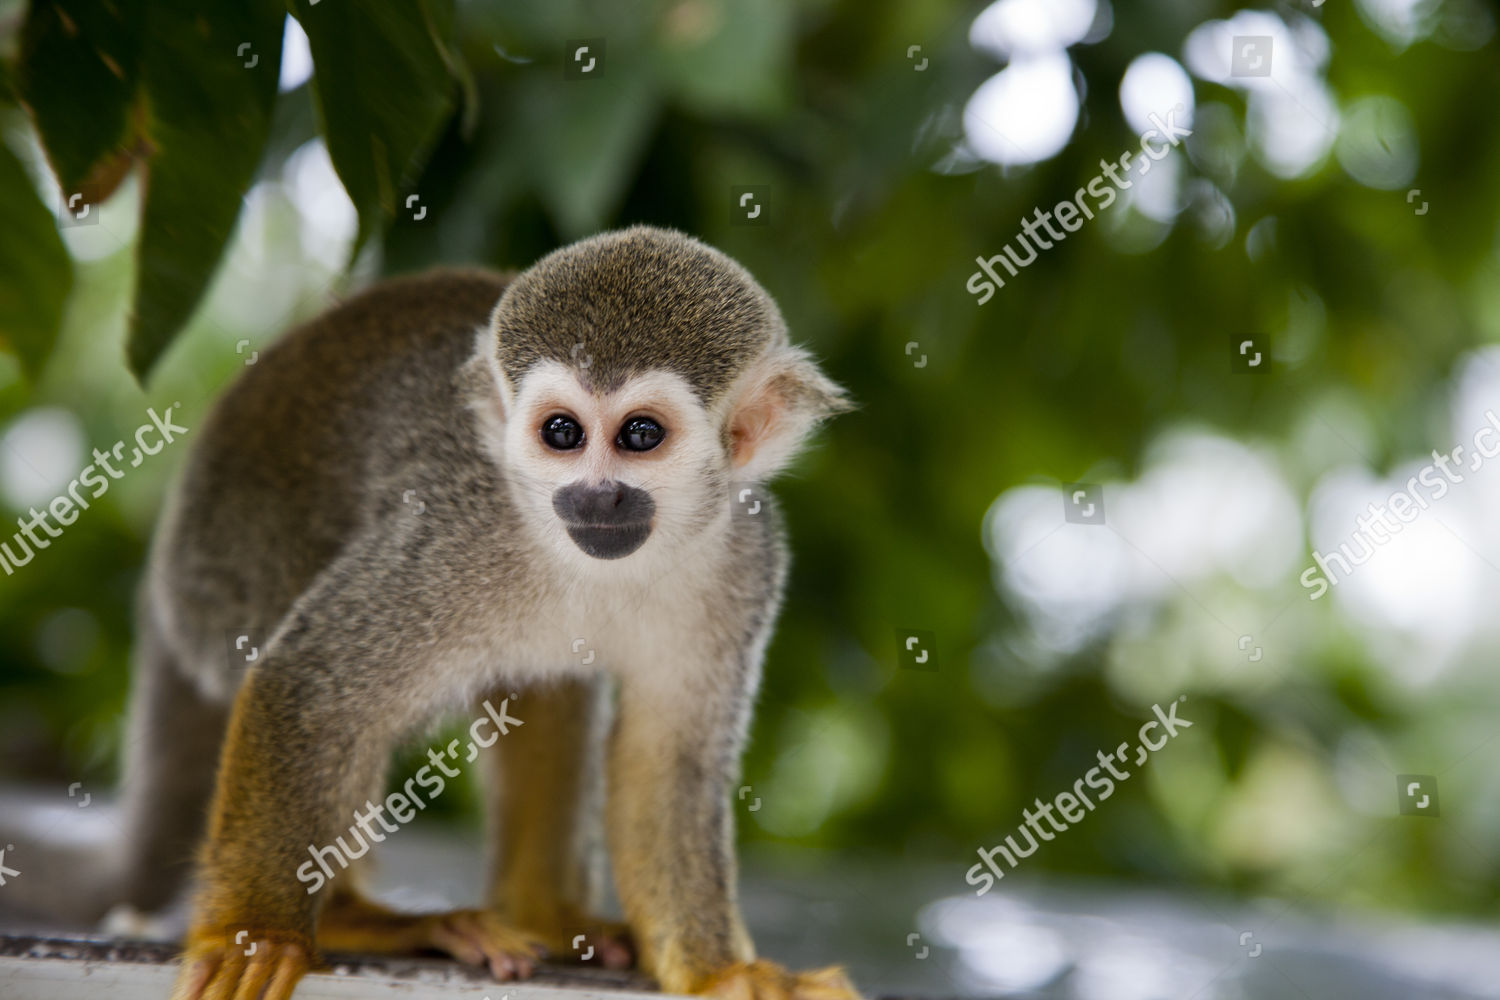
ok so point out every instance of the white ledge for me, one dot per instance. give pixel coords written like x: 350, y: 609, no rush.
x: 54, y: 969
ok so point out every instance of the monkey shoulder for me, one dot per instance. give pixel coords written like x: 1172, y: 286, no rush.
x: 350, y: 417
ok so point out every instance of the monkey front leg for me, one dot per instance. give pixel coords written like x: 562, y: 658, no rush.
x: 295, y: 766
x: 671, y: 836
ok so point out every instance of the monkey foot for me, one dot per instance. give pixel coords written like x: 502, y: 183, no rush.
x: 602, y: 942
x: 254, y: 961
x: 573, y: 936
x: 352, y: 922
x: 481, y: 937
x: 762, y: 980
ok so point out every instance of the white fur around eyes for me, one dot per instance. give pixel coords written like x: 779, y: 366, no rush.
x: 685, y: 475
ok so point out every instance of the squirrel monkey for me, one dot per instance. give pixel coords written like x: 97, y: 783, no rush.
x: 427, y: 496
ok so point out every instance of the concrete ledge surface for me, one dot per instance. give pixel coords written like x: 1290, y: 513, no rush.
x: 46, y: 968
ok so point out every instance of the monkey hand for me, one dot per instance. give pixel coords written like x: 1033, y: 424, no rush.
x: 215, y: 967
x: 762, y: 980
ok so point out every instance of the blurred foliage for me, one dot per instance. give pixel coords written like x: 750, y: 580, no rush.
x: 1068, y: 374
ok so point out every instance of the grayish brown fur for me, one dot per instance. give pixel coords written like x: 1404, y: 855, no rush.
x: 290, y: 518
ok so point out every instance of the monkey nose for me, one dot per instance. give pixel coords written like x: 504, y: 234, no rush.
x: 605, y: 505
x: 606, y: 521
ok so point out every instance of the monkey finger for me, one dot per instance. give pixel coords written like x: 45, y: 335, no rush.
x: 257, y: 973
x: 226, y: 978
x: 503, y: 965
x: 193, y: 978
x: 508, y: 952
x: 507, y: 967
x: 290, y: 969
x: 447, y: 939
x: 519, y: 963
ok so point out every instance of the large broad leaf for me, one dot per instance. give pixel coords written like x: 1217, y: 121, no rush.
x: 384, y: 80
x: 209, y: 75
x: 35, y: 269
x: 78, y: 73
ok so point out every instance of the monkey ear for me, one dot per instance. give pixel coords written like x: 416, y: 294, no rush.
x: 774, y: 408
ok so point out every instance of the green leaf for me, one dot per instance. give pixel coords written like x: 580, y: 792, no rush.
x: 36, y: 272
x: 78, y: 73
x: 210, y: 75
x: 585, y: 140
x: 384, y: 82
x: 729, y: 58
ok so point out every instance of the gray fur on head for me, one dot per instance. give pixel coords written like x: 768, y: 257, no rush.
x: 637, y: 299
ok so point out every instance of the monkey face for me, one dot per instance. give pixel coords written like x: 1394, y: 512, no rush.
x: 637, y: 375
x: 610, y: 471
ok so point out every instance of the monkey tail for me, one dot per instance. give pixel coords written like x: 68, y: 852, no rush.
x: 147, y: 851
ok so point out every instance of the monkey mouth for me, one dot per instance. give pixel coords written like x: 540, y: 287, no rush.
x: 609, y: 541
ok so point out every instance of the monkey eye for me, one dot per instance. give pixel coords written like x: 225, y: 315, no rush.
x: 562, y: 433
x: 640, y: 434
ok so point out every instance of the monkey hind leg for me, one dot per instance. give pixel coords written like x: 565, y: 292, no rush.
x: 351, y: 922
x: 171, y: 754
x: 542, y: 790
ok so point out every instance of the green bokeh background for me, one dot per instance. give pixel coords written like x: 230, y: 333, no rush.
x: 1067, y: 375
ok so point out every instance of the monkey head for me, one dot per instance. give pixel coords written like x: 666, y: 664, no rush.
x: 639, y: 374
